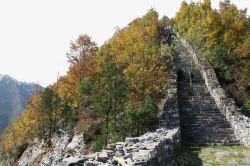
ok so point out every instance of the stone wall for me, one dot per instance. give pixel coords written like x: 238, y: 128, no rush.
x: 239, y: 122
x: 150, y: 149
x: 170, y: 117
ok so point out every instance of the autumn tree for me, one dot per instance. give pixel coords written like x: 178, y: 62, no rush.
x: 83, y: 63
x: 136, y: 51
x: 24, y: 129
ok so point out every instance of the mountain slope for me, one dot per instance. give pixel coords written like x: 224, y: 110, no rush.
x: 13, y: 97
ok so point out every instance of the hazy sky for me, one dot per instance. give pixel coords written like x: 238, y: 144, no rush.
x: 35, y: 34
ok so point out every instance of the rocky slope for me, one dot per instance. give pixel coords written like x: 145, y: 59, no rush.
x: 13, y: 97
x: 65, y: 149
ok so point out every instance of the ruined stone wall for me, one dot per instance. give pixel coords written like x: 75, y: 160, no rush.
x: 239, y: 122
x: 150, y: 149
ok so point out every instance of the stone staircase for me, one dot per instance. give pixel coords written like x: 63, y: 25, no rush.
x: 201, y: 122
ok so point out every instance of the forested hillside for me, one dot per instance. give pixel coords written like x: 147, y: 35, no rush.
x: 112, y: 91
x: 108, y: 93
x: 224, y: 37
x: 13, y: 98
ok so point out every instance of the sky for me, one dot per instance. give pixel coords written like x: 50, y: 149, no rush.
x: 35, y: 34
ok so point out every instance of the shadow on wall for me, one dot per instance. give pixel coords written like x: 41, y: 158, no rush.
x: 188, y: 157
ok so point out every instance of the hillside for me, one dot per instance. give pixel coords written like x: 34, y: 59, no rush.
x: 13, y: 98
x: 193, y: 62
x: 121, y: 81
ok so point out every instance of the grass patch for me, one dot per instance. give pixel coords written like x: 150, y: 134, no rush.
x: 213, y: 156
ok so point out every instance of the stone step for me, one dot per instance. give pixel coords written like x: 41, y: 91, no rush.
x: 212, y: 140
x: 189, y: 110
x: 211, y: 134
x: 206, y: 133
x: 201, y: 121
x: 213, y: 144
x: 206, y: 127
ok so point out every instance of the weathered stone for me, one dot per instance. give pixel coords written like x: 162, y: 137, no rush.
x: 129, y: 162
x: 93, y: 163
x: 70, y: 160
x: 120, y: 143
x: 128, y: 155
x: 90, y: 156
x: 103, y: 157
x: 119, y: 160
x: 131, y: 140
x: 110, y: 147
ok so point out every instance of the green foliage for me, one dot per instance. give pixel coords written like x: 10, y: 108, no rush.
x: 248, y: 23
x: 47, y: 108
x: 108, y: 92
x: 222, y: 58
x: 67, y: 113
x: 99, y: 143
x: 108, y: 89
x: 165, y: 21
x: 46, y: 102
x: 167, y: 50
x: 247, y: 104
x: 144, y: 116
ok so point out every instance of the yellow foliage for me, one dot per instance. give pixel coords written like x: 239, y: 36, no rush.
x: 136, y: 50
x: 24, y: 128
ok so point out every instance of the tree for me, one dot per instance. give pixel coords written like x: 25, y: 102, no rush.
x: 248, y: 23
x: 143, y: 117
x: 67, y: 114
x: 234, y: 23
x: 165, y: 21
x: 83, y: 63
x: 108, y: 93
x: 24, y: 129
x: 136, y: 51
x: 47, y: 106
x: 182, y: 18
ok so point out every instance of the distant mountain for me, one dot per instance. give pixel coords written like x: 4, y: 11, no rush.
x: 13, y: 97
